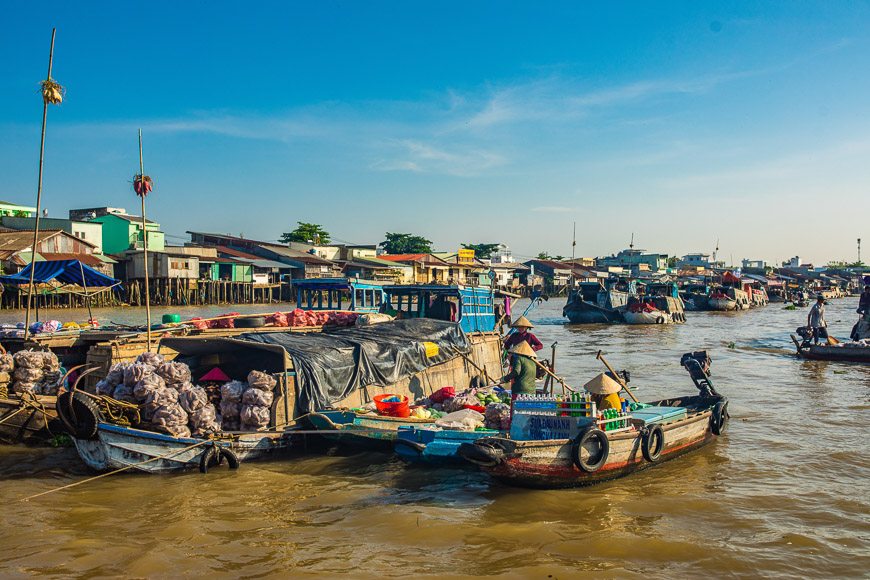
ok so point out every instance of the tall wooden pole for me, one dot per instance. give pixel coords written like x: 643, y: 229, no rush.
x: 145, y: 243
x: 38, y: 196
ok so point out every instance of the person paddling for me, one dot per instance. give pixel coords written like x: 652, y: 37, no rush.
x: 816, y: 319
x: 522, y: 371
x: 522, y: 334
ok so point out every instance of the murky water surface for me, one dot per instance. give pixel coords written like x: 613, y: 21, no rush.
x: 785, y: 493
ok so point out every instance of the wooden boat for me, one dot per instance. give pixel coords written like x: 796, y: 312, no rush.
x: 842, y: 352
x: 374, y: 432
x: 30, y: 420
x: 438, y: 447
x: 593, y: 455
x: 594, y: 302
x: 725, y: 299
x: 655, y: 310
x: 114, y: 447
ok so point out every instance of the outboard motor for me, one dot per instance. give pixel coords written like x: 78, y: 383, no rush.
x: 698, y: 365
x: 624, y: 375
x: 806, y: 333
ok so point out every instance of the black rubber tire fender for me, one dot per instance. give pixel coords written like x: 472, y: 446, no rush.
x: 652, y: 443
x: 660, y: 320
x: 719, y: 418
x: 207, y: 458
x: 584, y: 437
x: 418, y: 447
x: 482, y: 455
x: 87, y: 414
x: 250, y: 322
x: 230, y: 455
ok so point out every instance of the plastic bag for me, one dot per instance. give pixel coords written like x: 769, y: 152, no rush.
x: 442, y: 394
x: 204, y: 421
x: 116, y: 373
x: 170, y: 415
x: 495, y: 414
x: 151, y: 358
x: 174, y: 372
x: 28, y: 374
x: 147, y: 411
x: 22, y: 387
x: 198, y: 322
x: 135, y: 373
x: 180, y: 387
x: 105, y: 389
x: 257, y: 398
x: 49, y: 388
x: 277, y: 319
x: 231, y: 410
x: 226, y: 322
x: 464, y: 420
x: 255, y: 416
x: 50, y: 362
x: 124, y: 393
x: 261, y: 380
x: 458, y: 402
x: 7, y: 363
x: 373, y: 318
x: 232, y: 391
x: 163, y: 396
x: 144, y: 387
x: 192, y: 399
x: 28, y: 359
x: 177, y: 430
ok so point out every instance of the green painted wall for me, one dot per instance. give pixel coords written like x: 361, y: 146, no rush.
x: 119, y: 233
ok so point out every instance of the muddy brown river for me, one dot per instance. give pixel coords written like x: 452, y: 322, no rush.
x: 784, y: 493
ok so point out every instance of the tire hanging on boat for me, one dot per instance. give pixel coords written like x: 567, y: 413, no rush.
x: 480, y: 453
x: 652, y: 443
x: 214, y: 455
x: 83, y: 418
x: 719, y: 418
x: 582, y: 439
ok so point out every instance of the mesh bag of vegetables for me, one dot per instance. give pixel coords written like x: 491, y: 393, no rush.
x: 261, y: 380
x: 204, y: 421
x: 192, y: 399
x: 124, y: 393
x: 144, y: 387
x: 255, y: 416
x: 230, y: 410
x: 28, y: 359
x: 28, y: 374
x: 105, y: 389
x: 116, y: 373
x: 151, y: 358
x: 135, y: 373
x: 163, y: 396
x: 174, y: 372
x: 232, y: 391
x: 50, y: 362
x: 257, y: 398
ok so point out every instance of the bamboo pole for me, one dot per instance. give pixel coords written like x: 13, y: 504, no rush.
x: 38, y: 194
x: 145, y: 243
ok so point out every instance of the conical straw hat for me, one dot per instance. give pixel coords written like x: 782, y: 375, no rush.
x: 215, y: 374
x: 522, y: 321
x: 602, y: 385
x: 524, y: 349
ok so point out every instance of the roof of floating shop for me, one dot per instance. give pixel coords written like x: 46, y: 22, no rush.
x: 64, y: 271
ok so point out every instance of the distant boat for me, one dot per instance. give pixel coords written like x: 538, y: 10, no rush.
x: 594, y: 302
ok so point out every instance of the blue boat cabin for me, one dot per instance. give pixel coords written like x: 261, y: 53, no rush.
x: 338, y: 294
x: 471, y: 307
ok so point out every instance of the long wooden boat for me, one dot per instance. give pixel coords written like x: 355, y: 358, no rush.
x: 593, y: 303
x: 842, y: 352
x: 31, y: 420
x: 436, y: 448
x: 565, y: 463
x: 372, y: 432
x: 114, y: 447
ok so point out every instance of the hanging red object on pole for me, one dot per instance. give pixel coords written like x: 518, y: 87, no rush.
x: 142, y: 184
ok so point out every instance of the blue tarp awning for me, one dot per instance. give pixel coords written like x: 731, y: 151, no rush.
x: 64, y: 271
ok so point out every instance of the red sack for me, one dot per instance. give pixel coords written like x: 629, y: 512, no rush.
x: 297, y: 318
x: 277, y: 319
x: 442, y: 394
x: 227, y: 322
x: 198, y: 322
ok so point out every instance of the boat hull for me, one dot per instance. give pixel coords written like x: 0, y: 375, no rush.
x: 368, y: 432
x: 548, y: 464
x: 436, y: 449
x: 722, y: 304
x: 35, y: 424
x: 655, y: 317
x: 834, y: 353
x: 116, y: 447
x: 581, y: 312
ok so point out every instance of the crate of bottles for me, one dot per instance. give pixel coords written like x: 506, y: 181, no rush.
x: 614, y: 420
x: 569, y: 405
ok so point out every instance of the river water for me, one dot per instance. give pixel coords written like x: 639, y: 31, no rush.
x: 784, y: 493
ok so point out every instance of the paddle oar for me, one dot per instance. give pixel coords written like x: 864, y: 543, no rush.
x: 549, y: 372
x: 616, y: 375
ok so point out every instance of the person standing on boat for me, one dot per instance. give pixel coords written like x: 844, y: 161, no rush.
x: 864, y: 300
x: 816, y: 319
x: 522, y: 371
x: 522, y: 334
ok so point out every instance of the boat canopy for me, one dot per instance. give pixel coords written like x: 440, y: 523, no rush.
x: 339, y: 294
x: 472, y: 307
x: 63, y: 271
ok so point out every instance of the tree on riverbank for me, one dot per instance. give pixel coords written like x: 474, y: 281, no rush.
x: 481, y: 251
x: 406, y: 244
x: 306, y: 233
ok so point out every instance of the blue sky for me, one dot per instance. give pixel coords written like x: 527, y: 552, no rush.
x: 680, y: 122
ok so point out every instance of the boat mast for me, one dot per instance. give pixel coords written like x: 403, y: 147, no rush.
x: 574, y: 245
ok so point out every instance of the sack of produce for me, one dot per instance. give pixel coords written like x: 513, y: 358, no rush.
x: 180, y: 387
x: 163, y: 396
x: 230, y: 410
x: 257, y: 397
x: 147, y: 411
x: 105, y: 389
x: 277, y: 319
x: 198, y: 322
x: 192, y: 399
x: 135, y: 373
x: 174, y: 372
x: 459, y: 402
x: 177, y: 430
x: 261, y: 380
x: 495, y: 415
x: 151, y: 358
x: 22, y: 388
x: 232, y: 391
x: 50, y: 363
x: 226, y: 322
x: 116, y: 373
x: 464, y: 420
x: 442, y: 394
x: 28, y: 358
x: 170, y: 415
x: 49, y: 388
x: 28, y: 374
x: 144, y: 387
x: 7, y: 363
x: 255, y: 416
x: 124, y: 393
x: 373, y: 318
x: 204, y: 421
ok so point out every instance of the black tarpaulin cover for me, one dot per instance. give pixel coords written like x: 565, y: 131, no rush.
x: 333, y: 364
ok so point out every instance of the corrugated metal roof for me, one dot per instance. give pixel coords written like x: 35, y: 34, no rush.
x: 87, y: 259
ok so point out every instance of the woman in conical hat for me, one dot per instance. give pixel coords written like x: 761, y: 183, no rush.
x: 522, y: 335
x: 605, y: 392
x: 523, y: 369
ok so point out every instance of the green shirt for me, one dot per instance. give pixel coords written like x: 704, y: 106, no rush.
x: 523, y: 374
